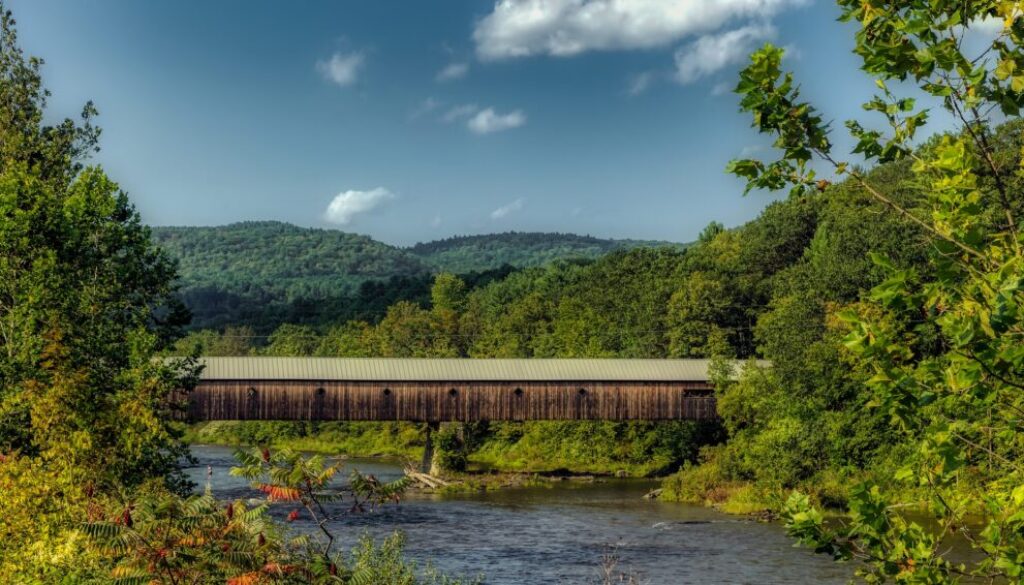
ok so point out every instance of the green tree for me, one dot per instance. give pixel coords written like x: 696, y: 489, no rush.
x: 694, y: 314
x: 233, y: 341
x: 292, y: 340
x: 943, y: 345
x: 86, y: 302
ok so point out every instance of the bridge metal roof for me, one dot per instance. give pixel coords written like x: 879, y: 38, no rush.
x: 454, y: 369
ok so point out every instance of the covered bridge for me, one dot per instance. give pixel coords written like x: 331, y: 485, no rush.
x: 435, y: 390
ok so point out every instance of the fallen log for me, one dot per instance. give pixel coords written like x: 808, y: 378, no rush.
x: 426, y: 479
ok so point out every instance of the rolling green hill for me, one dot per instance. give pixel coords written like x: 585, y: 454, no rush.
x: 286, y: 260
x: 519, y: 249
x: 265, y: 273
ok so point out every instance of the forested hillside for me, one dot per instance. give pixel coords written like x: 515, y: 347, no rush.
x: 262, y: 274
x: 520, y: 249
x: 259, y: 272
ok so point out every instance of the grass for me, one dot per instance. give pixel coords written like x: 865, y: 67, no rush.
x: 401, y: 440
x: 572, y: 448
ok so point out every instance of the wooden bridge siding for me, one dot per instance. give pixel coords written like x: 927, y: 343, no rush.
x: 432, y: 401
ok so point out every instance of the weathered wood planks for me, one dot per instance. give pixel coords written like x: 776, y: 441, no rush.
x: 443, y: 401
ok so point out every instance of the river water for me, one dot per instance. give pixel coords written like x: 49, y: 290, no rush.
x: 558, y: 534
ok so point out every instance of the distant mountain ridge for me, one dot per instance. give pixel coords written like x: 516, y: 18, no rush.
x: 261, y: 272
x: 519, y: 249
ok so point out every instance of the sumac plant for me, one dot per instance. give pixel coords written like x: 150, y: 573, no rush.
x: 946, y: 348
x: 306, y: 485
x: 167, y: 539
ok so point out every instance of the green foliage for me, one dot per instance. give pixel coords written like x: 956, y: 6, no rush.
x: 940, y: 346
x: 170, y: 539
x: 161, y: 538
x: 263, y: 274
x: 258, y: 273
x: 635, y: 449
x: 463, y: 254
x: 450, y: 449
x: 306, y: 483
x: 85, y: 300
x: 368, y: 439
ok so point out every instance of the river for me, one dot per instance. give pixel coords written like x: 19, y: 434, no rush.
x: 557, y: 534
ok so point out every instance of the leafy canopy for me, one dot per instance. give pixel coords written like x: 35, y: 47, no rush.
x: 944, y: 347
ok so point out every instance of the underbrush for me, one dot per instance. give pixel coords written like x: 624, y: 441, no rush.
x: 361, y: 439
x: 632, y: 449
x: 715, y: 482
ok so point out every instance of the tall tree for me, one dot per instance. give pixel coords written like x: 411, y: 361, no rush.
x: 85, y: 298
x: 944, y: 346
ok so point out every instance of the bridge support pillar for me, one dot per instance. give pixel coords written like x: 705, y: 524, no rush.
x: 427, y: 465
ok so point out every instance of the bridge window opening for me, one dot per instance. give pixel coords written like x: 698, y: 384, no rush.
x: 252, y: 393
x: 387, y: 392
x: 518, y: 392
x: 453, y: 392
x: 583, y: 391
x: 320, y: 391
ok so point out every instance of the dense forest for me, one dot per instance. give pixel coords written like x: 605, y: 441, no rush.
x: 459, y: 254
x: 262, y: 274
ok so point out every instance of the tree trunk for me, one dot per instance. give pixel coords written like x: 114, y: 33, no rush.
x: 428, y: 464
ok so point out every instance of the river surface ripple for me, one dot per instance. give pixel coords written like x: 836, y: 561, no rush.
x: 558, y: 534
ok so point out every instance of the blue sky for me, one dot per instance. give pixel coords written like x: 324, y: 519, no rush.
x: 411, y: 121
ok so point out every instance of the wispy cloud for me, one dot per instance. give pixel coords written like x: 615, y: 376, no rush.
x: 342, y: 69
x: 640, y: 83
x: 505, y: 210
x: 488, y: 121
x: 425, y: 107
x: 459, y: 112
x: 348, y: 204
x: 710, y: 53
x: 520, y: 28
x: 484, y: 120
x: 452, y: 71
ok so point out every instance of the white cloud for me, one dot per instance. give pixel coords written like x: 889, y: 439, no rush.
x: 990, y: 27
x: 341, y: 69
x: 711, y: 53
x: 348, y: 204
x: 520, y: 28
x: 505, y: 210
x: 640, y: 83
x: 436, y: 222
x: 978, y: 35
x: 459, y: 112
x: 452, y: 71
x: 488, y: 121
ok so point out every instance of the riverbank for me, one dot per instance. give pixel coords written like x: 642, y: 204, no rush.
x: 510, y: 455
x: 552, y: 448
